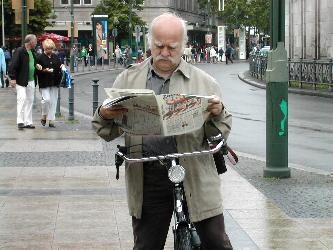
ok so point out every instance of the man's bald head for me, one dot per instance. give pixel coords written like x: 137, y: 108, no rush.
x: 167, y: 21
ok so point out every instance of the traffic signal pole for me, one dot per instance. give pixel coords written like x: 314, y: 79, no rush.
x: 277, y: 97
x: 72, y: 38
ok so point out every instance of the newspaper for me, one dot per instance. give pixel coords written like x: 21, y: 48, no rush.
x: 165, y: 114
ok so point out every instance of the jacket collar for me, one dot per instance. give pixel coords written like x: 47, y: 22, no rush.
x: 183, y: 68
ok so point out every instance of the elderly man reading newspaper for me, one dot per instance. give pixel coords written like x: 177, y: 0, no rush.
x: 149, y: 191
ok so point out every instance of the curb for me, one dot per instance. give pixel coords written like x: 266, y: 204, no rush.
x: 257, y: 84
x: 95, y: 71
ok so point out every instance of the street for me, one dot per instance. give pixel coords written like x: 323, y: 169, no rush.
x: 310, y: 117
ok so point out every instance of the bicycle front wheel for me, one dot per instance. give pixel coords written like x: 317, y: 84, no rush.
x: 183, y: 238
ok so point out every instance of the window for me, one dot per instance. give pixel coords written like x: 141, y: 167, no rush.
x: 87, y: 2
x: 77, y: 2
x: 64, y: 2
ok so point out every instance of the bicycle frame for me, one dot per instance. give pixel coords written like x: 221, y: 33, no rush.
x: 185, y: 236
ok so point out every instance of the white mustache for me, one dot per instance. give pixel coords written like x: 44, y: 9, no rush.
x: 169, y: 58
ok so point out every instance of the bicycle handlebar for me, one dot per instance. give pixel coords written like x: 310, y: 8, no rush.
x: 171, y: 156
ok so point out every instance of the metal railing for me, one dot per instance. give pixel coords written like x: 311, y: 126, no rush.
x: 302, y: 72
x: 258, y: 66
x: 92, y: 64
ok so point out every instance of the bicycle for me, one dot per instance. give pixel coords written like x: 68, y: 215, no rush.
x: 185, y: 235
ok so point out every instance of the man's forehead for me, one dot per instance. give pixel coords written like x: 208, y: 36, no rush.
x: 166, y: 43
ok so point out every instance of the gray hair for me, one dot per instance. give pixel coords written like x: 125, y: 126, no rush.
x: 168, y: 14
x: 30, y: 37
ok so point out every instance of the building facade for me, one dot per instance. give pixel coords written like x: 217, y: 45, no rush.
x: 188, y: 9
x: 309, y: 29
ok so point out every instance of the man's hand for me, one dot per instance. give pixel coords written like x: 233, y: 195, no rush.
x: 215, y: 105
x: 112, y: 112
x: 12, y: 83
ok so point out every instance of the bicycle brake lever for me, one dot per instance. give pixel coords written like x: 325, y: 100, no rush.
x: 119, y: 160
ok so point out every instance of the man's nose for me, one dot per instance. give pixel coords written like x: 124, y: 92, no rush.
x: 165, y: 51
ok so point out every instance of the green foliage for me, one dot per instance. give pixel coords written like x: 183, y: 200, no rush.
x: 241, y: 13
x: 120, y: 18
x: 37, y: 18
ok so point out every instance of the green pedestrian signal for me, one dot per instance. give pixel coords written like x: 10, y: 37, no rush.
x: 284, y: 109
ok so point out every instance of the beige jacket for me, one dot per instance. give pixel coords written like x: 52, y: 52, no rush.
x: 202, y: 183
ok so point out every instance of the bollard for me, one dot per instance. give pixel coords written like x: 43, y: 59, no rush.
x: 83, y: 64
x: 77, y: 64
x: 95, y: 94
x: 58, y: 113
x: 89, y: 63
x: 95, y: 62
x: 71, y: 102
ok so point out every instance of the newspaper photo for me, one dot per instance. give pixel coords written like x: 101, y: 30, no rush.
x: 150, y: 114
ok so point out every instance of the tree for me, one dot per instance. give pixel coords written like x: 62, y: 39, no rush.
x: 121, y: 18
x: 38, y: 18
x: 242, y: 13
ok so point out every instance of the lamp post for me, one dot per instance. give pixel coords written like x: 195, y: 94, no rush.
x: 130, y: 34
x: 24, y: 20
x: 72, y: 37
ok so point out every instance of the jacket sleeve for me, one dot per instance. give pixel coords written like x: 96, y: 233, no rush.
x: 219, y: 123
x: 14, y: 64
x: 108, y: 129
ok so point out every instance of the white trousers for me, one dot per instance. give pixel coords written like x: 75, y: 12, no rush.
x: 49, y: 102
x: 25, y: 99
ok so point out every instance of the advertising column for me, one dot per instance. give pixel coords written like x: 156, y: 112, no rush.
x: 221, y: 39
x: 242, y: 44
x: 100, y: 35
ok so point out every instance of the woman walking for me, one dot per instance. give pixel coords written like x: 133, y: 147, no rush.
x: 49, y: 77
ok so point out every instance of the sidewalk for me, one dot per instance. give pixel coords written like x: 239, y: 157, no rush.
x: 58, y: 191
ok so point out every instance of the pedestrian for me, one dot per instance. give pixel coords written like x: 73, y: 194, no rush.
x: 148, y: 53
x: 3, y: 68
x: 8, y: 56
x: 91, y: 55
x: 101, y: 54
x: 228, y: 54
x: 83, y: 55
x: 74, y: 52
x: 49, y: 77
x: 62, y: 55
x: 150, y: 193
x: 140, y: 55
x: 221, y: 52
x: 213, y: 55
x: 199, y: 54
x: 23, y: 78
x: 117, y: 53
